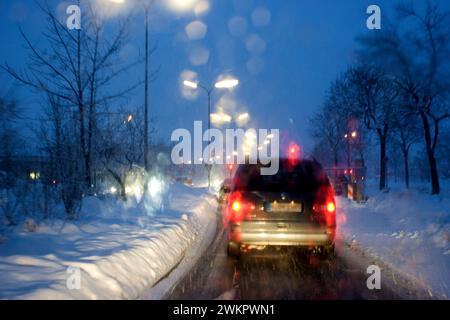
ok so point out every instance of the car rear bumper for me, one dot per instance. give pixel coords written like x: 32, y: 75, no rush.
x: 281, y: 234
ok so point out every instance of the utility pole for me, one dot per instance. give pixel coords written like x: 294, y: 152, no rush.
x: 146, y: 162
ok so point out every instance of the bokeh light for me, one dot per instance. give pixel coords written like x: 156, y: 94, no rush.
x: 261, y: 17
x: 181, y: 5
x: 237, y: 26
x: 196, y: 30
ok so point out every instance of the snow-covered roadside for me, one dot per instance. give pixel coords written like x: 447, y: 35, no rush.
x: 406, y: 230
x: 119, y: 251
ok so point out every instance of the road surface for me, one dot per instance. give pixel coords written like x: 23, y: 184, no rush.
x: 285, y: 274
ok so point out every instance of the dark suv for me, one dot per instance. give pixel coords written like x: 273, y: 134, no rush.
x: 294, y: 207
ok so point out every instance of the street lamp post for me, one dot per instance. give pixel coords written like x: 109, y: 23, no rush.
x: 224, y: 84
x: 146, y: 4
x: 146, y: 163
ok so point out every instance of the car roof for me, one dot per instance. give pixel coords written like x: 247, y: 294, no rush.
x: 285, y: 162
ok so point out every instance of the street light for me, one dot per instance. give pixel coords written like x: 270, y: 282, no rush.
x: 227, y: 84
x: 243, y: 116
x: 181, y: 5
x: 223, y: 84
x: 190, y: 84
x: 219, y: 118
x: 353, y: 135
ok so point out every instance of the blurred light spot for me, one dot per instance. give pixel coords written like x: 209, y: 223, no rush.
x: 237, y: 26
x: 198, y: 56
x: 181, y: 5
x: 255, y: 65
x: 196, y: 30
x: 190, y: 84
x: 227, y: 83
x: 111, y: 8
x: 250, y: 133
x: 227, y: 104
x: 242, y: 119
x: 220, y: 117
x: 187, y: 92
x: 261, y: 17
x: 255, y: 44
x: 201, y: 8
x: 155, y: 187
x: 243, y: 116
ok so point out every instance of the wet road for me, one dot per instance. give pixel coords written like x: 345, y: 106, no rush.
x: 282, y: 274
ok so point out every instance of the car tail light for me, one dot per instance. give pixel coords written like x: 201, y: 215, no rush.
x: 331, y: 207
x: 326, y: 211
x: 239, y: 208
x: 326, y: 206
x: 236, y: 206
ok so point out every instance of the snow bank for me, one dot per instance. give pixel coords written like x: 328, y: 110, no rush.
x: 120, y: 251
x: 407, y: 230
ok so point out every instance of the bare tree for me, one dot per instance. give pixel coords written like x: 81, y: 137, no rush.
x: 330, y: 124
x: 120, y: 145
x: 405, y: 134
x: 416, y: 54
x: 78, y: 67
x: 11, y: 143
x: 373, y: 97
x: 59, y: 144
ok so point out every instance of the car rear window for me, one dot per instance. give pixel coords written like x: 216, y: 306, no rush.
x: 304, y: 177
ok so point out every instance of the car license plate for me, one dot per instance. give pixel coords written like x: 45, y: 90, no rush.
x: 283, y: 207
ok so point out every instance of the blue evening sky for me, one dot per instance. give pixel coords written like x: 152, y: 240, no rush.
x: 285, y: 62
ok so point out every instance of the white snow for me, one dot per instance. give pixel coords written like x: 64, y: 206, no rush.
x: 407, y: 230
x: 120, y: 250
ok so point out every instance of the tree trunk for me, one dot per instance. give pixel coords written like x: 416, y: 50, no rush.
x: 81, y: 111
x: 382, y: 161
x: 336, y: 163
x: 146, y: 148
x: 406, y: 167
x: 435, y: 188
x: 335, y: 158
x: 89, y: 147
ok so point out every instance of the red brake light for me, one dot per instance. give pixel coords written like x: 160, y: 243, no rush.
x: 293, y: 154
x: 236, y: 206
x: 328, y: 207
x: 331, y: 207
x: 325, y: 206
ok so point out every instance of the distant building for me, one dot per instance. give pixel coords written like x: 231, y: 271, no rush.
x: 27, y: 167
